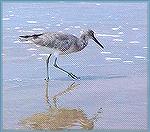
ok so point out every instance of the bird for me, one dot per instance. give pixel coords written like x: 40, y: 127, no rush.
x: 58, y: 43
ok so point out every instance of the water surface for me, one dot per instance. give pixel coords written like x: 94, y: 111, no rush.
x: 114, y: 79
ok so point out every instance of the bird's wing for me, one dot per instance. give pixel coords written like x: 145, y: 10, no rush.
x: 46, y: 39
x: 66, y: 41
x: 56, y: 40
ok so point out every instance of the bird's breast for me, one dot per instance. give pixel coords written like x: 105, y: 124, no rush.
x: 69, y: 50
x: 82, y: 45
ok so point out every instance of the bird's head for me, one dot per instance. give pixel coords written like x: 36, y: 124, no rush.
x: 90, y: 34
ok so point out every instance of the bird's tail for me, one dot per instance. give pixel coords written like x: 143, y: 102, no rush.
x: 29, y: 37
x: 25, y: 38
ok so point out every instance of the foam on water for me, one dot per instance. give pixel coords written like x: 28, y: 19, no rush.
x: 108, y: 35
x: 145, y: 47
x: 135, y: 29
x: 17, y: 41
x: 140, y: 57
x: 105, y: 52
x: 37, y: 29
x: 39, y: 58
x: 13, y: 80
x: 109, y: 58
x: 134, y: 42
x: 6, y: 19
x: 17, y: 28
x: 26, y: 31
x: 120, y: 33
x: 118, y: 40
x: 8, y: 28
x: 127, y: 61
x: 23, y: 31
x: 66, y: 29
x: 44, y: 54
x: 17, y: 79
x: 31, y: 49
x: 31, y: 21
x: 77, y: 27
x: 58, y: 25
x: 116, y: 28
x: 25, y: 42
x: 11, y: 15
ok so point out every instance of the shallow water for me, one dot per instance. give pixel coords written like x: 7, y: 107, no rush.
x: 114, y: 79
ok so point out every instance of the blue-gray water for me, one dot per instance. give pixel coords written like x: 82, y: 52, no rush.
x: 114, y: 79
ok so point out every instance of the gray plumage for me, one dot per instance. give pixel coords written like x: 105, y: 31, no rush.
x: 64, y: 43
x: 61, y: 44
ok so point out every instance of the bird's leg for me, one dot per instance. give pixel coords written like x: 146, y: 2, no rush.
x: 46, y: 94
x: 70, y: 74
x: 47, y: 61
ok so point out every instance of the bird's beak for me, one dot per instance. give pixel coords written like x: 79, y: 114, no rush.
x: 97, y: 42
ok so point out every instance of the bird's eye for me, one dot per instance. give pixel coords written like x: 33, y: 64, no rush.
x: 91, y: 32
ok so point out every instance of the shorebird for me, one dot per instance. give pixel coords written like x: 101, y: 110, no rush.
x: 61, y: 44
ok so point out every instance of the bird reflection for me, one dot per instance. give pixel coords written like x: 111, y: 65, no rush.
x: 58, y: 118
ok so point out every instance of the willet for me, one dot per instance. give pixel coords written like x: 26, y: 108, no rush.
x: 61, y: 44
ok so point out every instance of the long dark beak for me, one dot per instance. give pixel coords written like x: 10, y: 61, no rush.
x: 98, y: 42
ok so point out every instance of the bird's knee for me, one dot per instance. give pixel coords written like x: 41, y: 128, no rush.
x: 47, y: 61
x: 55, y: 65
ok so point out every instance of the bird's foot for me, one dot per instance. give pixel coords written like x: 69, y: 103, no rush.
x: 46, y: 79
x: 73, y: 76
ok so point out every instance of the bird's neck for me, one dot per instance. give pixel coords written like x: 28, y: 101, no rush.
x: 83, y: 41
